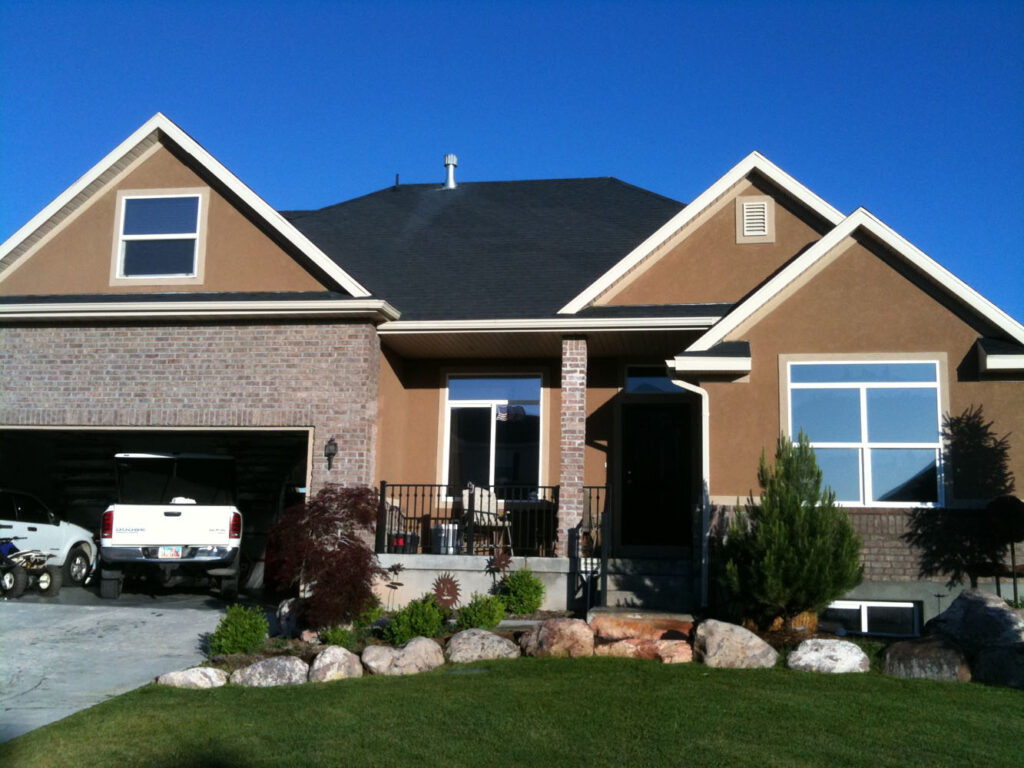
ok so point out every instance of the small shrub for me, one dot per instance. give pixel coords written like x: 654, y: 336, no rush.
x: 371, y: 613
x: 336, y: 636
x: 242, y: 630
x: 522, y: 592
x: 483, y: 611
x: 420, y: 618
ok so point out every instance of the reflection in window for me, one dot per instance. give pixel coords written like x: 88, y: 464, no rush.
x: 874, y: 428
x: 493, y: 431
x: 650, y: 380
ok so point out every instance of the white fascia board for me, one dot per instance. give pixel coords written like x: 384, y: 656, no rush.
x: 708, y: 364
x: 753, y: 161
x: 161, y: 122
x: 860, y: 218
x: 999, y: 363
x: 376, y: 309
x: 567, y: 325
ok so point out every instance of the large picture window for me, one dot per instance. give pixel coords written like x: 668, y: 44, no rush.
x: 493, y: 428
x: 875, y: 428
x: 159, y: 236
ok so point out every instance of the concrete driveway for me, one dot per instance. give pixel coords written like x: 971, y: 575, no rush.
x: 63, y: 654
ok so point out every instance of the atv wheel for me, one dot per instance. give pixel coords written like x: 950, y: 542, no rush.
x: 13, y: 582
x: 50, y: 581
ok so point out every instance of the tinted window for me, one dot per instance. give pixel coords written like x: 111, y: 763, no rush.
x: 159, y: 257
x: 161, y: 215
x: 29, y: 510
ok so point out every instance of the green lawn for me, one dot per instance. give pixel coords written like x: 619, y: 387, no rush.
x: 546, y: 712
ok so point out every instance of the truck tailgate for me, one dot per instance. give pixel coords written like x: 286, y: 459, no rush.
x: 153, y: 525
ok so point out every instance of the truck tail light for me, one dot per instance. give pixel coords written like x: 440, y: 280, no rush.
x: 107, y: 530
x: 236, y: 526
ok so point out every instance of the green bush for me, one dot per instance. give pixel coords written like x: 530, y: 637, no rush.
x: 522, y: 592
x: 420, y: 618
x: 795, y: 550
x: 372, y: 611
x: 483, y: 611
x: 242, y: 630
x: 336, y: 636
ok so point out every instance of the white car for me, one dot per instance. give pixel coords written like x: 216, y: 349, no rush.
x: 72, y: 546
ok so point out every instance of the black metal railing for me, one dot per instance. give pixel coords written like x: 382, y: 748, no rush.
x: 591, y: 558
x: 419, y: 518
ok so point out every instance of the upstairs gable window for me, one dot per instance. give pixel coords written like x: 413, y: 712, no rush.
x: 159, y: 236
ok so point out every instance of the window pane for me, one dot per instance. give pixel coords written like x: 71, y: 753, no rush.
x: 840, y: 470
x: 517, y: 445
x: 827, y: 415
x: 847, y: 618
x: 904, y: 474
x: 890, y: 620
x: 903, y: 416
x: 469, y: 447
x: 159, y: 257
x: 521, y: 388
x: 817, y: 373
x: 29, y: 510
x: 161, y: 215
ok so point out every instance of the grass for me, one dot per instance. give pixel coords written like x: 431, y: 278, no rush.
x: 540, y: 712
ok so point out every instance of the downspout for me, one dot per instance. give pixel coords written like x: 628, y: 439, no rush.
x: 705, y: 500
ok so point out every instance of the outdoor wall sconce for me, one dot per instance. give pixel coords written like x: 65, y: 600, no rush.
x: 330, y: 451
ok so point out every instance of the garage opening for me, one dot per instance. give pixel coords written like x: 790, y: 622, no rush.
x: 72, y: 470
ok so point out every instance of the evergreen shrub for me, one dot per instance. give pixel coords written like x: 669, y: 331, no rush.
x: 420, y: 618
x: 242, y: 630
x: 522, y: 592
x: 483, y: 611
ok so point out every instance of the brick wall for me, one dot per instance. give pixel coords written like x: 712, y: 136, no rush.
x: 319, y: 375
x: 573, y: 438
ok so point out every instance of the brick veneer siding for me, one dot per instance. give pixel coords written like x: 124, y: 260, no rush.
x: 319, y: 375
x: 573, y: 438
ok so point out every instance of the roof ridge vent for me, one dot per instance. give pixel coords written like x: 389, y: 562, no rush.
x: 450, y: 163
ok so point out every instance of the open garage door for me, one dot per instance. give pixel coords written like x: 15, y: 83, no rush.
x: 72, y: 470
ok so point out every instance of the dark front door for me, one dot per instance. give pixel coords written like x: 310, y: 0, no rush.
x: 657, y: 475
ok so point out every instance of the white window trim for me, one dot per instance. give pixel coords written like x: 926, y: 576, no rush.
x: 768, y: 236
x: 864, y: 445
x: 863, y: 605
x: 117, y: 276
x: 448, y: 403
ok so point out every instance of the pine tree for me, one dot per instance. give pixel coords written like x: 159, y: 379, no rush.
x: 795, y: 550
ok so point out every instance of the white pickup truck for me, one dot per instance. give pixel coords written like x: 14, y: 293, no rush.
x: 174, y: 516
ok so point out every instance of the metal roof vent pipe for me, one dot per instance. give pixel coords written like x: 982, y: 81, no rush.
x: 450, y: 163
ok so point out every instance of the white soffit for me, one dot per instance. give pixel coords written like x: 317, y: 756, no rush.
x: 376, y: 309
x: 160, y: 122
x: 755, y: 161
x: 900, y: 245
x: 708, y: 364
x: 997, y: 362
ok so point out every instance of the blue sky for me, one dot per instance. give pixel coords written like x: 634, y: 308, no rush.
x: 913, y: 110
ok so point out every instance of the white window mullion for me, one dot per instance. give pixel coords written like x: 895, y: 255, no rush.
x: 494, y: 440
x: 865, y: 452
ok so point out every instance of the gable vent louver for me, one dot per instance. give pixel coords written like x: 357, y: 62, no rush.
x: 755, y: 219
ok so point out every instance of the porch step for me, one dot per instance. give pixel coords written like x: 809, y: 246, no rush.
x: 651, y: 584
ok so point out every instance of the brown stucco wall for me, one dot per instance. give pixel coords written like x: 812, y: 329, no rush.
x: 319, y: 375
x: 861, y: 303
x: 239, y: 257
x: 709, y: 266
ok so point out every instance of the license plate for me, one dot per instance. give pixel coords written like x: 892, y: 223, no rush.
x: 169, y: 553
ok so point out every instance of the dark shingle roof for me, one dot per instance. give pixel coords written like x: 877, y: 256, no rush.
x: 509, y: 249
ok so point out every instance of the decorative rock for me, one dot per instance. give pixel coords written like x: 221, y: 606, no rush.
x: 334, y: 663
x: 287, y: 615
x: 926, y: 658
x: 620, y: 627
x: 1001, y: 665
x: 309, y: 636
x: 665, y: 651
x: 280, y: 670
x: 479, y: 645
x: 196, y: 677
x: 832, y: 657
x: 558, y: 637
x: 976, y: 620
x: 418, y: 655
x: 724, y: 645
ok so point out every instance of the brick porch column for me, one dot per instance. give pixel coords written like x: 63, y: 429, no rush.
x: 574, y: 433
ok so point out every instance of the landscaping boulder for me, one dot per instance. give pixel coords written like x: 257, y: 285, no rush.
x: 558, y: 637
x: 479, y: 645
x: 665, y: 651
x: 926, y: 658
x: 287, y: 616
x: 280, y: 670
x: 831, y: 657
x: 1000, y: 665
x: 334, y: 663
x: 196, y: 677
x: 622, y: 626
x: 724, y: 645
x: 977, y: 620
x: 418, y: 655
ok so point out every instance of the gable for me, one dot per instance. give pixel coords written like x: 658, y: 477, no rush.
x: 706, y: 261
x: 76, y: 257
